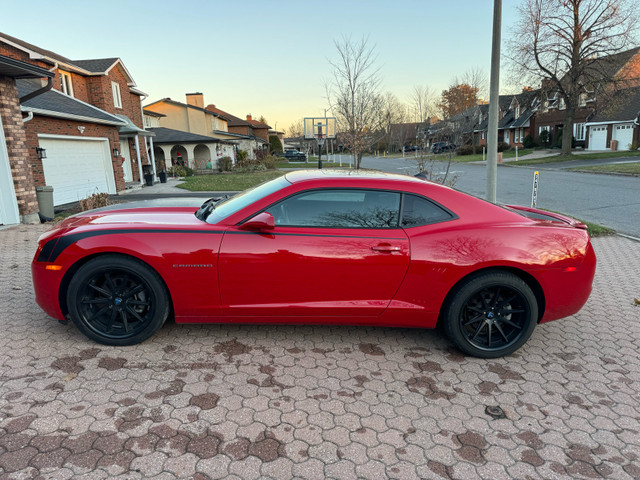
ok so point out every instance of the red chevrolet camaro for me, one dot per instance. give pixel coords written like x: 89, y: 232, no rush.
x: 325, y: 247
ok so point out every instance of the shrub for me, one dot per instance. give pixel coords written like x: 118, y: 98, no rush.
x: 270, y: 162
x: 465, y: 150
x: 634, y: 145
x: 225, y: 164
x: 242, y: 156
x: 275, y: 145
x: 180, y: 171
x: 96, y: 200
x: 249, y: 167
x: 528, y: 142
x: 503, y: 146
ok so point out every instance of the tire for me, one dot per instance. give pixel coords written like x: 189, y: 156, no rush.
x: 117, y: 300
x: 491, y: 315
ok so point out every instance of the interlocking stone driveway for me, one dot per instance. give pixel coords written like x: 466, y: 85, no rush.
x: 319, y: 402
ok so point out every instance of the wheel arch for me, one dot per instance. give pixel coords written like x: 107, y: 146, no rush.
x: 526, y: 277
x: 66, y: 279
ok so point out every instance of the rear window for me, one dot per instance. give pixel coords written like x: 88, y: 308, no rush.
x: 417, y: 211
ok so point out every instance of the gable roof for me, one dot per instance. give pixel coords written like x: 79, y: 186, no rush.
x: 96, y: 64
x: 258, y: 124
x: 56, y: 104
x: 186, y: 105
x: 169, y: 135
x: 624, y: 106
x: 232, y: 120
x: 99, y: 66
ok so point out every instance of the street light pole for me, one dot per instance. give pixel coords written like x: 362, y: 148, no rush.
x: 494, y: 97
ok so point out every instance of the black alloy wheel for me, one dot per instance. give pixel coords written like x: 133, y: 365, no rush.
x: 491, y: 315
x: 117, y: 300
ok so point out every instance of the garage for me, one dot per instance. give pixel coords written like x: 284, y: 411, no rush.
x: 76, y: 167
x: 623, y: 133
x: 598, y: 137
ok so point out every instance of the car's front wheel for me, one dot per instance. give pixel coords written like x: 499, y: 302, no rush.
x: 117, y: 300
x: 491, y: 315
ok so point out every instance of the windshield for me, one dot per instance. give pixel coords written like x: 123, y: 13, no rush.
x: 219, y: 211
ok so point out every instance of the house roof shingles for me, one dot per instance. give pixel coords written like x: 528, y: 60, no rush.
x: 55, y: 103
x: 96, y: 65
x: 169, y: 135
x: 624, y: 106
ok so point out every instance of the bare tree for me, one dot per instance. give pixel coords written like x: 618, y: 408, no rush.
x: 423, y: 102
x: 567, y: 42
x: 353, y: 95
x: 394, y: 113
x: 477, y: 78
x: 295, y: 133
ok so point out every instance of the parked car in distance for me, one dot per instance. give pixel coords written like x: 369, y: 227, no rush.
x: 410, y: 148
x: 293, y: 155
x: 319, y: 247
x: 439, y: 147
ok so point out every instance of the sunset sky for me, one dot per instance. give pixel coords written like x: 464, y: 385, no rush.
x: 263, y: 58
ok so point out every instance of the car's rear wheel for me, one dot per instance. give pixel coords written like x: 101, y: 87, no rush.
x: 491, y: 315
x: 116, y: 300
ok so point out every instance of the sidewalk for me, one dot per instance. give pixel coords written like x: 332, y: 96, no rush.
x: 314, y: 402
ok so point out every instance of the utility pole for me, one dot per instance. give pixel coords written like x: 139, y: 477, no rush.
x: 494, y: 97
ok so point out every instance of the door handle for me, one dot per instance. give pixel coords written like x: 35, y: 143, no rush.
x: 385, y: 248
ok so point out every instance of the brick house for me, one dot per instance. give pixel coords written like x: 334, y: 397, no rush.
x: 256, y: 132
x: 519, y: 119
x: 616, y: 125
x: 623, y: 68
x: 81, y: 126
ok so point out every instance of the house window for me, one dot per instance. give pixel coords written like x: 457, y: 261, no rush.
x: 517, y: 111
x: 578, y: 131
x: 582, y: 100
x: 562, y: 104
x: 66, y: 84
x: 117, y: 99
x: 483, y: 135
x: 506, y: 136
x: 543, y: 129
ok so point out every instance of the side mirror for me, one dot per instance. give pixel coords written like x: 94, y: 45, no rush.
x: 262, y: 221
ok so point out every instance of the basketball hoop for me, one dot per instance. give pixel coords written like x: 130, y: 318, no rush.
x: 319, y: 128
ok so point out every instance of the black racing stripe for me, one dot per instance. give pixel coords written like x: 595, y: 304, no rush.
x: 60, y: 244
x: 45, y: 253
x: 53, y: 248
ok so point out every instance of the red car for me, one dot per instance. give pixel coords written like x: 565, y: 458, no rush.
x: 319, y: 247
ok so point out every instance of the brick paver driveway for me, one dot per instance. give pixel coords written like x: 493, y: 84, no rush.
x: 314, y: 402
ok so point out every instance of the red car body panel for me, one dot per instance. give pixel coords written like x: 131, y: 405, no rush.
x: 392, y: 277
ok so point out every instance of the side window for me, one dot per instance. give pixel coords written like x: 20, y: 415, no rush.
x: 339, y: 209
x: 418, y: 211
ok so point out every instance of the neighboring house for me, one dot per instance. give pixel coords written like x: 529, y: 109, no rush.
x: 80, y: 125
x: 623, y: 68
x: 253, y: 135
x: 191, y: 118
x: 519, y: 119
x: 618, y: 121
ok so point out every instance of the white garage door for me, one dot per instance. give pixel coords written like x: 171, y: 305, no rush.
x: 77, y: 168
x: 623, y: 133
x: 598, y: 138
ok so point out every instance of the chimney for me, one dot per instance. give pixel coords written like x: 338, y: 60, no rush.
x: 211, y: 106
x: 195, y: 99
x: 249, y: 117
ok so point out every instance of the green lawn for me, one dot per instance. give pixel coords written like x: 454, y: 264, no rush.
x: 626, y: 168
x: 227, y: 182
x: 583, y: 156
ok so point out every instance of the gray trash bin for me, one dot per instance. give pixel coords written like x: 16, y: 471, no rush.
x: 45, y: 202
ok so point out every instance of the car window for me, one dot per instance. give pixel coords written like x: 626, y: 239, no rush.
x: 241, y: 200
x: 339, y: 208
x: 418, y: 211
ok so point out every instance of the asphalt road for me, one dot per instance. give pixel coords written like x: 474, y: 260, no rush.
x: 609, y: 200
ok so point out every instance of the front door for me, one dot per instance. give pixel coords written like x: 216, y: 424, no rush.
x: 332, y: 253
x: 126, y: 165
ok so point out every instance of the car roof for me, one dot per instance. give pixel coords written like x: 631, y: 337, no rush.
x: 326, y: 174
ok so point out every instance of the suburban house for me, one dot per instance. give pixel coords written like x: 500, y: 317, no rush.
x: 188, y: 134
x: 75, y: 125
x: 254, y: 135
x: 604, y: 114
x: 624, y: 69
x: 616, y: 125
